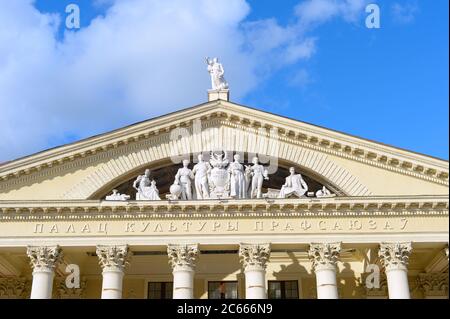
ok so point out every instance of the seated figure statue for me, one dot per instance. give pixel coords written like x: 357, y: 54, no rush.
x: 294, y: 185
x: 146, y: 189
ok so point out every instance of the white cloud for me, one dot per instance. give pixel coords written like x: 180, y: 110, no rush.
x: 140, y: 59
x: 314, y: 12
x: 404, y: 14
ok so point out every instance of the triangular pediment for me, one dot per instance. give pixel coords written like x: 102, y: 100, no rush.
x: 318, y: 149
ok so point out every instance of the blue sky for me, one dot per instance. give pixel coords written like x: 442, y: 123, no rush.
x: 312, y: 60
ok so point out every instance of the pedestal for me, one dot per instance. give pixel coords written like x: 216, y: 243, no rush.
x: 214, y: 95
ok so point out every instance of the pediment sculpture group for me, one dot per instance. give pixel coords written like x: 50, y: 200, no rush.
x: 219, y: 179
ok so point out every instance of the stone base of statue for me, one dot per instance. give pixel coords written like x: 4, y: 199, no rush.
x: 214, y: 95
x: 271, y: 193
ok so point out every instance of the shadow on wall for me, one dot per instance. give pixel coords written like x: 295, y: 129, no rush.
x: 349, y: 287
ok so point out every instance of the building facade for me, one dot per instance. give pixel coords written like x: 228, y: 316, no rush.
x: 321, y: 214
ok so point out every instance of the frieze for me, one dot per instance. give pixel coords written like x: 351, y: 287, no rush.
x: 219, y: 226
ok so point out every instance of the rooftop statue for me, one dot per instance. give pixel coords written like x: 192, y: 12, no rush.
x: 201, y: 171
x: 238, y: 187
x: 183, y: 179
x: 146, y: 189
x: 216, y: 71
x: 259, y: 174
x: 294, y: 185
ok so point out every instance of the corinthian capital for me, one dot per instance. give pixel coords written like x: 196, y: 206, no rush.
x: 324, y: 255
x: 113, y: 257
x: 395, y: 255
x: 254, y: 256
x: 182, y: 256
x: 44, y: 258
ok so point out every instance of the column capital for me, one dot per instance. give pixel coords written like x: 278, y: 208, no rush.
x: 395, y: 255
x: 324, y: 255
x: 113, y: 258
x: 182, y: 257
x: 44, y: 258
x: 254, y: 256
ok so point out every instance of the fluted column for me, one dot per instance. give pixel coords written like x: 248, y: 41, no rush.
x: 113, y: 260
x: 254, y: 258
x: 182, y: 259
x: 44, y: 260
x: 395, y: 259
x: 324, y: 257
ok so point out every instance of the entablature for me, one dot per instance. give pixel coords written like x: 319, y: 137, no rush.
x: 332, y: 207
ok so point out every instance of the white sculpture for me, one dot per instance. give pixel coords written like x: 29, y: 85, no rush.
x: 324, y: 192
x: 117, y: 196
x: 201, y: 171
x: 218, y: 179
x: 184, y: 179
x: 294, y: 185
x: 153, y: 192
x: 259, y: 174
x: 146, y: 189
x: 217, y: 72
x: 238, y: 187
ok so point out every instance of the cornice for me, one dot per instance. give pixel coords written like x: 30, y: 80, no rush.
x: 296, y: 132
x: 423, y: 206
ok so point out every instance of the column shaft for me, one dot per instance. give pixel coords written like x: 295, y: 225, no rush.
x: 112, y: 284
x: 183, y: 284
x: 326, y: 284
x: 42, y: 286
x: 398, y: 286
x: 255, y: 284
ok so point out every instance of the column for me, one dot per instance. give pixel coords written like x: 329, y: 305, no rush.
x: 395, y: 259
x: 324, y: 257
x: 182, y: 258
x: 44, y: 260
x: 254, y: 258
x: 113, y: 260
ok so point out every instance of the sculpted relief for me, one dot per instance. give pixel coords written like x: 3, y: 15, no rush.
x: 221, y: 178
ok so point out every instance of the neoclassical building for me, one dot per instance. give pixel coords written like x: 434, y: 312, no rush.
x: 320, y: 214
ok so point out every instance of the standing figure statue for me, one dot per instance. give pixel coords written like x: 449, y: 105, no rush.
x: 259, y: 174
x: 294, y: 185
x: 184, y: 178
x: 238, y: 187
x: 201, y: 171
x: 216, y: 71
